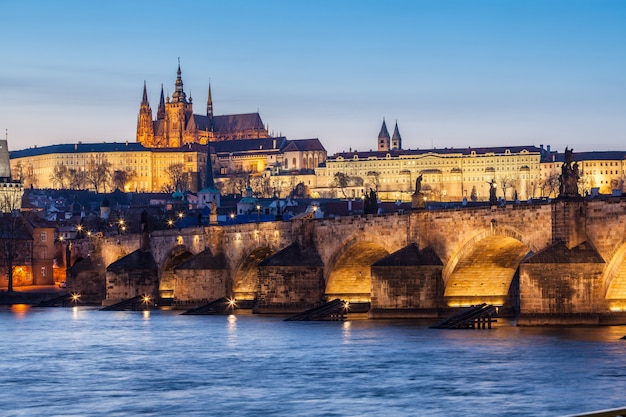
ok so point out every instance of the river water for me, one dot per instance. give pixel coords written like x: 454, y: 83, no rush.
x: 84, y: 362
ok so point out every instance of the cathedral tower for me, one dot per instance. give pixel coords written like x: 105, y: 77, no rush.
x: 178, y: 112
x: 145, y: 131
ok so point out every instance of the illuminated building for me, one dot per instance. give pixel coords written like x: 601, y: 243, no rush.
x: 146, y: 168
x: 602, y: 172
x: 11, y: 190
x: 448, y: 174
x: 176, y: 124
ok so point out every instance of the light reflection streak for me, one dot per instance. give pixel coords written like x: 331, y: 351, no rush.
x: 232, y: 331
x: 346, y: 332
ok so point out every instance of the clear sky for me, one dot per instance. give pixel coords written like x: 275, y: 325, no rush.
x: 453, y: 73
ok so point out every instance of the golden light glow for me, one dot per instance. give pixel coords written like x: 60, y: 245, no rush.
x: 617, y: 306
x: 75, y: 297
x: 146, y: 299
x: 79, y: 228
x: 19, y: 310
x: 170, y: 222
x: 346, y: 305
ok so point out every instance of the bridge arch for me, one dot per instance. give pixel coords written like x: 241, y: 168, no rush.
x: 484, y: 266
x: 167, y: 278
x: 615, y: 279
x: 245, y: 275
x: 348, y: 275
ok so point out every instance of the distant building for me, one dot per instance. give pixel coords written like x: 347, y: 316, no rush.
x: 603, y: 171
x: 11, y: 190
x: 176, y: 124
x: 448, y: 174
x: 145, y: 169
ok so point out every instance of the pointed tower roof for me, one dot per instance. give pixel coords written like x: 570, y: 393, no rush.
x: 209, y: 181
x: 384, y: 133
x: 161, y: 109
x: 209, y: 103
x: 179, y: 94
x: 396, y: 134
x: 144, y: 99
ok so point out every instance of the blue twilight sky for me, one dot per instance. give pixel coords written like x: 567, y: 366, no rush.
x: 453, y: 73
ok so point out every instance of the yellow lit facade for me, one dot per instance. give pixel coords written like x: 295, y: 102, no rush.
x: 447, y: 174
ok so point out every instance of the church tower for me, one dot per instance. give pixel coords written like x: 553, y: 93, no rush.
x: 383, y: 138
x: 161, y: 110
x: 396, y: 139
x: 145, y: 130
x: 178, y: 111
x: 209, y: 194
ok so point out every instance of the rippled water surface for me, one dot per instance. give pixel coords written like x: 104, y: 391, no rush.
x: 85, y: 362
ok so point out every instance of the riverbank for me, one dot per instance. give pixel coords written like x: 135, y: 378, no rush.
x: 32, y: 295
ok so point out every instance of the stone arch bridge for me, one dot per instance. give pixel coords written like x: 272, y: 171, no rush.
x: 553, y: 262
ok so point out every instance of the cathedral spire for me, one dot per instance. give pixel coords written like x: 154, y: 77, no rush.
x: 179, y: 94
x: 161, y: 109
x: 209, y: 103
x: 144, y: 99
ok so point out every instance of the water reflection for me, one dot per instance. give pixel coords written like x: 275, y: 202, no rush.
x: 346, y: 331
x: 20, y: 310
x: 231, y: 328
x: 146, y: 315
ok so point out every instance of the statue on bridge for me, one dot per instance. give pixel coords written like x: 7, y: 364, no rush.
x: 370, y: 204
x: 568, y: 180
x: 493, y: 186
x: 417, y: 199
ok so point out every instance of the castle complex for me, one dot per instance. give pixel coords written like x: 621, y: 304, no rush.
x: 241, y: 146
x: 176, y: 124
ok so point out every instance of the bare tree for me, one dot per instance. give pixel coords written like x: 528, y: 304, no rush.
x: 98, y: 172
x: 59, y: 176
x: 261, y: 186
x: 505, y: 182
x: 179, y: 178
x: 25, y: 173
x: 374, y: 179
x: 77, y: 178
x: 340, y: 180
x: 121, y: 177
x: 550, y: 185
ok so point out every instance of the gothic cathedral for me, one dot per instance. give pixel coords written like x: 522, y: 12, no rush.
x: 176, y: 124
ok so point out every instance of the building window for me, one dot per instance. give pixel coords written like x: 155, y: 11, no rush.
x: 43, y: 271
x: 44, y: 236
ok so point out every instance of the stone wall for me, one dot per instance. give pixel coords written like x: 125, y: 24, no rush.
x: 197, y: 287
x: 289, y: 289
x: 406, y: 291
